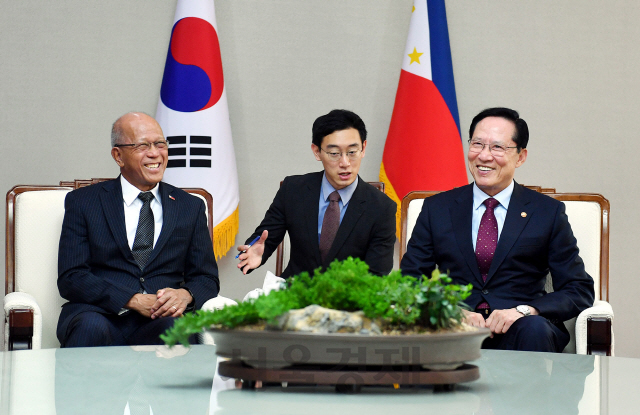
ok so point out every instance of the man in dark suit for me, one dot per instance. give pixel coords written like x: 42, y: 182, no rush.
x: 332, y: 214
x: 503, y: 239
x: 135, y: 253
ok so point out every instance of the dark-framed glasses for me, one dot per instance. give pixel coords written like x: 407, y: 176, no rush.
x: 144, y: 147
x: 498, y: 150
x: 336, y: 155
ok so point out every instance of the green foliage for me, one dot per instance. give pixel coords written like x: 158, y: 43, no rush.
x: 396, y: 300
x: 440, y: 301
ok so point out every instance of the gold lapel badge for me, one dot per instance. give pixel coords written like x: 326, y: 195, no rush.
x: 523, y: 214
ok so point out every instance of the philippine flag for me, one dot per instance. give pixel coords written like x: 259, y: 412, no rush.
x: 423, y: 150
x: 194, y: 116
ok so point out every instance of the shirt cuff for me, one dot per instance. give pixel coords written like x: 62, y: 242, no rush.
x: 192, y: 305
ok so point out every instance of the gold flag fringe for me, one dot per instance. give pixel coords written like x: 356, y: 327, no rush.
x: 224, y: 234
x: 390, y: 191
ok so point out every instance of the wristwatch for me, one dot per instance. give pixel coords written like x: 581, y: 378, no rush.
x: 524, y: 310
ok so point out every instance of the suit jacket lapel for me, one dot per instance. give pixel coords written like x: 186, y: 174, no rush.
x: 169, y: 218
x: 356, y: 208
x: 514, y: 223
x: 461, y: 213
x: 111, y: 200
x: 310, y: 202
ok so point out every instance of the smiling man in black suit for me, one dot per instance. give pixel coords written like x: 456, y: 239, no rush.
x: 135, y: 252
x: 331, y: 214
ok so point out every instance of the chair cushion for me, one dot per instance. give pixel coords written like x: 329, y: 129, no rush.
x: 38, y: 223
x: 584, y: 217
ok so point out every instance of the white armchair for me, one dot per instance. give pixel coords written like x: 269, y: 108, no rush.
x: 32, y: 302
x: 592, y: 331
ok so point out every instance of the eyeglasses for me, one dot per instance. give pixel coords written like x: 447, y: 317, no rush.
x: 335, y: 156
x: 144, y: 147
x: 497, y: 150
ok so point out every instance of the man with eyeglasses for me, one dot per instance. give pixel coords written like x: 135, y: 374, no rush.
x: 331, y: 214
x: 503, y: 239
x: 135, y: 253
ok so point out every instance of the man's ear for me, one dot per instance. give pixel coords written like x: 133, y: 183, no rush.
x: 522, y: 157
x: 364, y: 146
x: 117, y: 156
x: 316, y: 151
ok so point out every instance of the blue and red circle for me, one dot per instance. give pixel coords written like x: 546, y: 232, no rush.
x: 193, y: 79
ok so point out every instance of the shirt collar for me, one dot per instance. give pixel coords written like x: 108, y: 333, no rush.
x: 504, y: 197
x: 130, y: 192
x: 345, y: 193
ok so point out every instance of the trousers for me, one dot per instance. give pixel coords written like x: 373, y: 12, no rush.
x: 90, y: 328
x: 532, y: 334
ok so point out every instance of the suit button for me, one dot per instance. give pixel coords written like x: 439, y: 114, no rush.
x: 141, y: 279
x: 485, y: 292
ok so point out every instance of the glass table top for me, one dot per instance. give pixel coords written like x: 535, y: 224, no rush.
x: 157, y: 380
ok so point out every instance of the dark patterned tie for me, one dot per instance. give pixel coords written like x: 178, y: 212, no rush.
x: 487, y: 238
x: 330, y: 224
x: 487, y: 241
x: 143, y: 242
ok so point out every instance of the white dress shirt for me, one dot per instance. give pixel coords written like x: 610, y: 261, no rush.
x: 132, y: 207
x: 504, y: 197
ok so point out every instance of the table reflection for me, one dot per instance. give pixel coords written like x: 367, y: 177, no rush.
x: 135, y: 380
x: 156, y: 380
x: 538, y: 383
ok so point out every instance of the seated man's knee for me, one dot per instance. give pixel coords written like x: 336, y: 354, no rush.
x: 532, y: 325
x: 536, y: 333
x: 91, y: 329
x: 149, y: 332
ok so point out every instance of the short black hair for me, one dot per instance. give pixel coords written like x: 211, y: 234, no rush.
x: 337, y: 120
x: 521, y: 137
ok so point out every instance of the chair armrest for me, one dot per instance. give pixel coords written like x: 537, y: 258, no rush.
x: 23, y: 322
x: 271, y: 282
x: 594, y: 331
x: 253, y: 294
x: 215, y: 303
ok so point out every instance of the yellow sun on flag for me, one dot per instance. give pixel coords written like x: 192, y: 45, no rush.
x: 415, y: 56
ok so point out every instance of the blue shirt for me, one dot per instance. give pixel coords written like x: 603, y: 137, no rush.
x: 504, y: 197
x: 325, y: 191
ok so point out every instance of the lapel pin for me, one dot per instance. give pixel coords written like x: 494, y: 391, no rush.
x: 171, y: 197
x: 523, y: 214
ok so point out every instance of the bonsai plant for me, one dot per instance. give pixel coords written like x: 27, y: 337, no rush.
x: 400, y: 303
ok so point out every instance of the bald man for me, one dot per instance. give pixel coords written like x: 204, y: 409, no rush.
x: 135, y: 253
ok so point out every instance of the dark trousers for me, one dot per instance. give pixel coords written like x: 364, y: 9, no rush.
x: 532, y: 334
x: 96, y: 329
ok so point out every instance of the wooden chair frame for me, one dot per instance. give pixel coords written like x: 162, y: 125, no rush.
x: 21, y: 320
x: 599, y: 339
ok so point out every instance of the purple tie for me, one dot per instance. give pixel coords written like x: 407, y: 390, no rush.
x: 487, y: 238
x: 486, y: 244
x: 330, y: 224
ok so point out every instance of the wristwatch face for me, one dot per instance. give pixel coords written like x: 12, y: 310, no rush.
x: 523, y: 309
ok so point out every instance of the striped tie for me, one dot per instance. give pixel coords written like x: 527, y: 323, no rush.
x: 143, y: 242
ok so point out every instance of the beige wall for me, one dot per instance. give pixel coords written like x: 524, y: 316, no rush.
x: 68, y: 68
